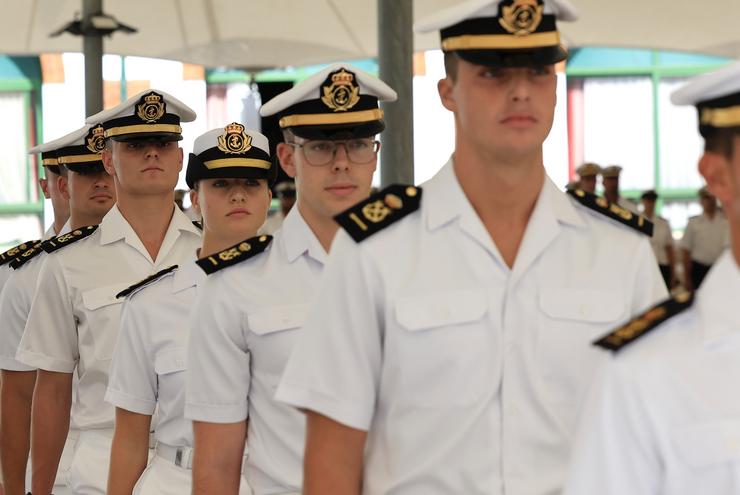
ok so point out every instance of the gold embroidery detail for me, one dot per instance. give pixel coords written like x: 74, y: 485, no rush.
x: 522, y: 17
x: 234, y: 140
x: 343, y: 93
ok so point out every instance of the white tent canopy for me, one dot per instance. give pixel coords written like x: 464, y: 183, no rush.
x: 270, y: 33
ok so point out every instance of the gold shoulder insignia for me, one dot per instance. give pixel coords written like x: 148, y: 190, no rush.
x: 59, y: 242
x: 613, y: 211
x: 140, y: 285
x: 235, y: 254
x: 26, y: 256
x: 379, y: 211
x: 644, y: 323
x: 13, y: 252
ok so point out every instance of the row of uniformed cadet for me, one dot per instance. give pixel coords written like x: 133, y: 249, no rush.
x: 447, y: 348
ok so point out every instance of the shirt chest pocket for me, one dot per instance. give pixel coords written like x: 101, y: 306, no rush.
x: 102, y: 313
x: 442, y: 349
x: 269, y: 321
x: 712, y: 444
x: 172, y: 360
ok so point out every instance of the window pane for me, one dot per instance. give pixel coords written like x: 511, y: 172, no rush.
x: 618, y: 127
x: 680, y: 142
x: 14, y: 169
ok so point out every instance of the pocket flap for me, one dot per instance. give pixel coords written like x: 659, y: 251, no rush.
x: 278, y: 318
x: 597, y: 306
x: 711, y: 443
x: 102, y: 296
x: 441, y: 309
x: 170, y: 361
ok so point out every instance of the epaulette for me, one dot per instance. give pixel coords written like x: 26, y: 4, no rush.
x: 379, y: 211
x: 13, y: 252
x: 27, y: 256
x: 151, y: 278
x: 59, y: 242
x: 198, y: 225
x: 647, y: 321
x: 235, y: 254
x: 613, y: 211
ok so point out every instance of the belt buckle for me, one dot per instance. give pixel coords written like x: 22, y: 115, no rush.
x: 178, y: 458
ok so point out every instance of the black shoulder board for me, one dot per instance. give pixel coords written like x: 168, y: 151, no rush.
x: 235, y: 254
x: 198, y: 225
x: 643, y: 324
x: 13, y: 252
x: 613, y: 211
x: 26, y: 256
x: 66, y: 239
x: 379, y: 211
x: 151, y: 278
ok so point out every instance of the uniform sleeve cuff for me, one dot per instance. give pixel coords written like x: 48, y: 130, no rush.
x: 349, y: 414
x: 10, y: 364
x: 46, y: 363
x: 209, y: 413
x: 130, y: 403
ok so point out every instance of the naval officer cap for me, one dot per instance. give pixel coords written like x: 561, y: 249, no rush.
x: 588, y: 170
x: 611, y: 172
x: 716, y: 96
x: 80, y: 150
x: 231, y: 152
x: 338, y: 102
x: 502, y: 33
x: 48, y: 156
x: 151, y: 115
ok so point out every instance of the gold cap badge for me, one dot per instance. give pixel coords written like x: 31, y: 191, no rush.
x: 521, y: 17
x: 343, y: 93
x: 234, y: 140
x: 96, y: 139
x: 151, y: 109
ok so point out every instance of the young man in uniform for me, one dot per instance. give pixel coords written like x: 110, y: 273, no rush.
x: 610, y: 181
x: 587, y: 174
x: 74, y: 318
x: 703, y: 241
x: 664, y: 414
x: 14, y: 437
x: 448, y: 350
x: 88, y: 188
x: 249, y: 314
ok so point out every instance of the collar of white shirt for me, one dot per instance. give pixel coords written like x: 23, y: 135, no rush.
x: 717, y: 298
x: 50, y: 231
x: 298, y: 238
x: 115, y: 227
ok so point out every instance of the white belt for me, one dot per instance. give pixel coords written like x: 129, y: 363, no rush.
x: 182, y: 457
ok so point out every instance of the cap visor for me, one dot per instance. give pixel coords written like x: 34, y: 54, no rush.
x: 515, y: 58
x: 339, y: 131
x: 148, y: 136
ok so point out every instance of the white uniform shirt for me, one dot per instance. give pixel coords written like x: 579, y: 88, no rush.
x: 706, y: 238
x: 468, y: 374
x: 6, y: 270
x: 75, y: 316
x: 662, y: 239
x: 246, y: 321
x: 148, y: 367
x: 664, y: 416
x: 15, y: 304
x: 273, y: 223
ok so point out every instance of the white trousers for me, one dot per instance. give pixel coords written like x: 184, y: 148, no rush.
x: 88, y: 473
x: 162, y: 477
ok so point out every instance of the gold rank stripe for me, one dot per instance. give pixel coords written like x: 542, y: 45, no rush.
x: 80, y: 158
x: 500, y: 41
x: 237, y: 162
x: 721, y: 117
x: 49, y: 161
x: 143, y: 129
x: 333, y: 118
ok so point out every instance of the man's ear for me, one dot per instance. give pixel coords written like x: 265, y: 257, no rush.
x: 63, y: 186
x: 285, y: 154
x: 44, y: 185
x: 195, y: 201
x: 715, y: 168
x: 107, y: 157
x: 444, y: 88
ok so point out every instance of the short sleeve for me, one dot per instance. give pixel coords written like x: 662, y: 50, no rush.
x: 132, y: 384
x: 49, y: 341
x: 689, y: 236
x: 615, y: 450
x: 218, y: 375
x: 15, y: 303
x: 335, y: 366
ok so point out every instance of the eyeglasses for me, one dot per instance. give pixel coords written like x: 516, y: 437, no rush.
x: 319, y: 153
